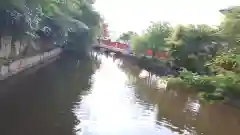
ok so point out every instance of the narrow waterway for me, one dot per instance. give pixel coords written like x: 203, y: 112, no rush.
x: 105, y: 96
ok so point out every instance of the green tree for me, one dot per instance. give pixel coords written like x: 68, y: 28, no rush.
x: 157, y: 35
x: 60, y: 16
x: 230, y: 26
x: 193, y: 45
x: 126, y: 37
x: 139, y: 44
x: 154, y: 38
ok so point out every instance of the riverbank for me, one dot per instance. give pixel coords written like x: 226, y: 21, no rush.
x: 21, y: 65
x: 208, y: 90
x: 172, y: 78
x: 211, y: 89
x: 155, y: 66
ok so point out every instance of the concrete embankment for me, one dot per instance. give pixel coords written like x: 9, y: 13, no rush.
x: 27, y: 63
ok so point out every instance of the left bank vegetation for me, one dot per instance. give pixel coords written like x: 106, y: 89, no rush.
x: 29, y: 27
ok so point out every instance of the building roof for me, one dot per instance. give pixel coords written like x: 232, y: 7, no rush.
x: 229, y: 9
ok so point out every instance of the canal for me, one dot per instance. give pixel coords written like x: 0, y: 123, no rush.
x: 105, y: 96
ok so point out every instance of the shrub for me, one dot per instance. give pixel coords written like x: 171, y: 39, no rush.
x: 213, y: 87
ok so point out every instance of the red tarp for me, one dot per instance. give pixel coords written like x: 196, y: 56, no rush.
x: 149, y: 52
x: 162, y: 54
x: 116, y: 44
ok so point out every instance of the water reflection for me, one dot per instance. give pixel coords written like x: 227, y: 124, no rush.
x: 105, y: 96
x: 132, y: 107
x: 181, y: 111
x: 41, y: 103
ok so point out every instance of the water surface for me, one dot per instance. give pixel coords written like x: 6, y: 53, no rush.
x: 105, y: 96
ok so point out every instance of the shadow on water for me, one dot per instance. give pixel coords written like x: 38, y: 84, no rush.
x: 41, y: 103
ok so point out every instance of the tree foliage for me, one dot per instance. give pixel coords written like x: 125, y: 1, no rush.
x: 230, y: 28
x: 126, y: 37
x: 19, y: 17
x: 191, y: 46
x: 154, y: 38
x: 209, y: 56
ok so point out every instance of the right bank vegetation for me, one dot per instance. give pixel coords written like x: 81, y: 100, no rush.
x: 207, y: 57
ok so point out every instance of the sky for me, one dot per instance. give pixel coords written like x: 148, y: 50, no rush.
x: 137, y: 15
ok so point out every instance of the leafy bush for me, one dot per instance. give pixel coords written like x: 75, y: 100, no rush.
x: 226, y: 61
x: 213, y: 87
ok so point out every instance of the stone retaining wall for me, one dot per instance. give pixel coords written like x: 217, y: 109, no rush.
x: 25, y: 63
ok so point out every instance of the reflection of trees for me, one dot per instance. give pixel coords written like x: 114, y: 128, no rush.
x: 141, y: 90
x: 174, y: 107
x: 130, y: 68
x: 143, y: 94
x: 180, y: 110
x: 96, y: 61
x: 42, y: 104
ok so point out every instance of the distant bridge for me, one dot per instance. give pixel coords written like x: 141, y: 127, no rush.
x: 114, y: 47
x: 126, y: 49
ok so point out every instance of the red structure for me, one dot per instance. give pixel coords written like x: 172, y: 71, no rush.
x: 115, y: 44
x: 106, y: 41
x: 118, y: 45
x: 149, y: 52
x: 105, y: 31
x: 161, y: 55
